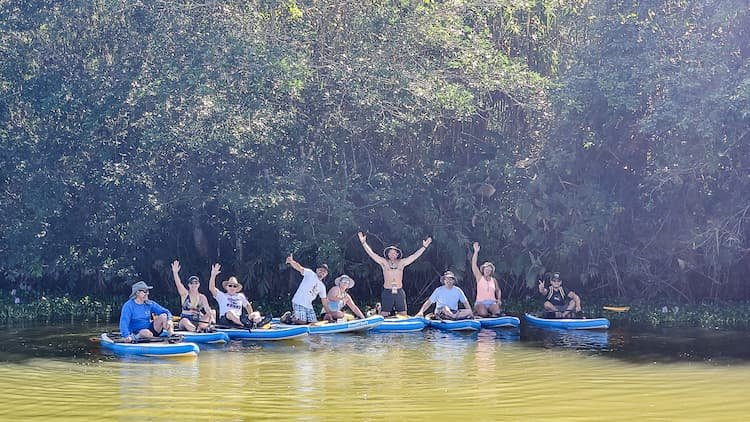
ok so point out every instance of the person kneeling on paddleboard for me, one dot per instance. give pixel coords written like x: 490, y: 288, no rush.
x: 338, y: 298
x: 556, y: 304
x: 309, y: 288
x: 135, y: 317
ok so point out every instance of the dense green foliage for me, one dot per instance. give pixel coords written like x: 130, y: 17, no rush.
x: 608, y: 140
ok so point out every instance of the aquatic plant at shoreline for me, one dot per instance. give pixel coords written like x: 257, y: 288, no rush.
x: 57, y: 308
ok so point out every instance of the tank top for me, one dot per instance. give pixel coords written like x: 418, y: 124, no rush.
x: 485, y: 289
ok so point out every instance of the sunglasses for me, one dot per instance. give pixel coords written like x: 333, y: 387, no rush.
x: 233, y: 285
x: 194, y: 282
x: 143, y: 291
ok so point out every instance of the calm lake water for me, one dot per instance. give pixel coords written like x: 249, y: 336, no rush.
x: 666, y: 375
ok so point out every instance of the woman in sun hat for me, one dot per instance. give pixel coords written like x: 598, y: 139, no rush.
x: 232, y: 301
x: 446, y: 299
x: 488, y: 290
x: 196, y: 314
x: 135, y: 317
x: 338, y: 298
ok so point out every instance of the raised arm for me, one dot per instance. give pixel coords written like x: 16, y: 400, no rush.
x: 294, y: 264
x: 375, y: 257
x: 176, y: 275
x: 413, y: 257
x: 474, y: 266
x: 215, y: 270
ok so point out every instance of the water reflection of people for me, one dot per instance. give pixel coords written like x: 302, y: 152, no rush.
x: 556, y: 304
x: 136, y: 315
x: 144, y: 377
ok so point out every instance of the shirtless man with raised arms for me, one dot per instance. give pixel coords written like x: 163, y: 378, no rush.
x: 393, y: 298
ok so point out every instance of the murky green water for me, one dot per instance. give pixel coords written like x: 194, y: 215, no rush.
x: 54, y: 372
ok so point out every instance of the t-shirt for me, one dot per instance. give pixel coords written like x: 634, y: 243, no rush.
x: 308, y: 289
x: 135, y: 317
x: 443, y: 296
x: 231, y: 303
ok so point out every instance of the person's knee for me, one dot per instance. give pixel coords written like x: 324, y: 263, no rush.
x: 145, y: 333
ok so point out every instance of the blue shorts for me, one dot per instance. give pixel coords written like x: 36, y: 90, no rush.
x: 487, y: 303
x: 302, y: 313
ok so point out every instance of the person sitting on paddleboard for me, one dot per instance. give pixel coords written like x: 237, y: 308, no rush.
x: 135, y: 317
x: 338, y: 298
x: 393, y: 298
x: 557, y: 302
x: 309, y: 288
x: 446, y: 299
x: 196, y: 314
x: 233, y: 301
x: 488, y: 291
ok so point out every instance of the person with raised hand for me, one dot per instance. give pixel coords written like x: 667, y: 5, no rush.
x: 233, y: 301
x: 135, y: 317
x: 309, y: 288
x: 393, y: 297
x: 489, y: 296
x: 558, y: 303
x: 196, y: 314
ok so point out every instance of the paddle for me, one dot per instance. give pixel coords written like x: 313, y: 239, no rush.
x: 616, y: 308
x: 119, y: 339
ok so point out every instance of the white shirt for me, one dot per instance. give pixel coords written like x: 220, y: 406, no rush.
x: 231, y: 303
x: 308, y: 289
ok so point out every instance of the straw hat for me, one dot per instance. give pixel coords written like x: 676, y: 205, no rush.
x: 344, y: 279
x: 231, y: 280
x: 385, y: 251
x: 486, y: 264
x: 448, y: 274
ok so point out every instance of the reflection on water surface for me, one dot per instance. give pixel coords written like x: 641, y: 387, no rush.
x: 526, y: 374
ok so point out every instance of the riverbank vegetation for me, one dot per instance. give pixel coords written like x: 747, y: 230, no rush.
x: 724, y: 315
x: 606, y: 140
